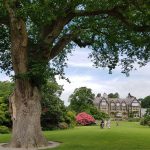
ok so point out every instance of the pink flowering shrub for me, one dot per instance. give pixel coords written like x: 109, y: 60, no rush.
x: 85, y: 119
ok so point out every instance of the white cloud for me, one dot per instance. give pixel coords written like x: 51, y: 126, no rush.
x: 137, y: 87
x: 76, y: 82
x: 79, y: 58
x: 139, y: 71
x: 3, y: 77
x: 138, y: 83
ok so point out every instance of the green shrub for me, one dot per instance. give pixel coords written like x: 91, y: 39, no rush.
x: 63, y: 125
x: 4, y: 129
x: 98, y: 115
x: 70, y: 119
x: 142, y: 122
x: 145, y: 120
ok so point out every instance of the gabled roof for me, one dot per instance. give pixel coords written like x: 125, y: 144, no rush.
x: 103, y: 98
x: 128, y: 100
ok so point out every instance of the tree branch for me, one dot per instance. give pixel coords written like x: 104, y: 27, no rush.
x: 50, y: 32
x: 80, y: 13
x: 115, y: 12
x: 60, y: 45
x: 9, y: 9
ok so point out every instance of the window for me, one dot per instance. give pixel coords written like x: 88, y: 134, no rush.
x: 124, y: 107
x: 135, y: 103
x: 113, y: 106
x: 136, y: 115
x: 117, y: 106
x: 123, y: 104
x: 135, y: 108
x: 103, y: 105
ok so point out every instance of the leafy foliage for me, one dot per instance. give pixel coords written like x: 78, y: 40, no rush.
x: 53, y: 109
x: 4, y: 130
x: 70, y: 118
x: 146, y: 119
x: 81, y: 99
x: 117, y: 31
x: 147, y: 112
x: 5, y: 56
x: 54, y: 112
x: 145, y: 103
x: 115, y: 95
x: 6, y: 89
x: 97, y: 114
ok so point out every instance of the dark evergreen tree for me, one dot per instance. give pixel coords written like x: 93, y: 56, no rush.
x: 145, y: 103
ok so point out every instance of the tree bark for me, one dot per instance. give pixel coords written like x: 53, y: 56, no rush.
x: 27, y: 131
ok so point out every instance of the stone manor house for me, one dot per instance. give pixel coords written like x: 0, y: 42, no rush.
x: 118, y: 107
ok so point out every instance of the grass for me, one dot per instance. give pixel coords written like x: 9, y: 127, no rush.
x: 126, y: 136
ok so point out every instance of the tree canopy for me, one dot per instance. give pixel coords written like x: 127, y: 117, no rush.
x: 81, y: 99
x: 110, y: 28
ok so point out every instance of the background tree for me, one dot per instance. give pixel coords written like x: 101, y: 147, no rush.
x: 32, y: 33
x: 53, y: 109
x: 81, y: 99
x: 145, y: 103
x: 146, y: 119
x: 115, y: 95
x: 6, y: 89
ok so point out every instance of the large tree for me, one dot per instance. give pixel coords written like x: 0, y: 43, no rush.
x: 36, y: 32
x: 81, y: 99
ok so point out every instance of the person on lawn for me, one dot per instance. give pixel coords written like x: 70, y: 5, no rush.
x: 102, y: 124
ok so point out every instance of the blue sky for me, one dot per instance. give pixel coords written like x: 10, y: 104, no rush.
x: 81, y: 73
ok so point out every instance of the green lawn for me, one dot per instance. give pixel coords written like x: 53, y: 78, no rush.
x: 127, y: 136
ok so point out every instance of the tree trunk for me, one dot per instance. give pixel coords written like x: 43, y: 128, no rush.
x: 26, y: 119
x: 26, y: 106
x: 26, y: 98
